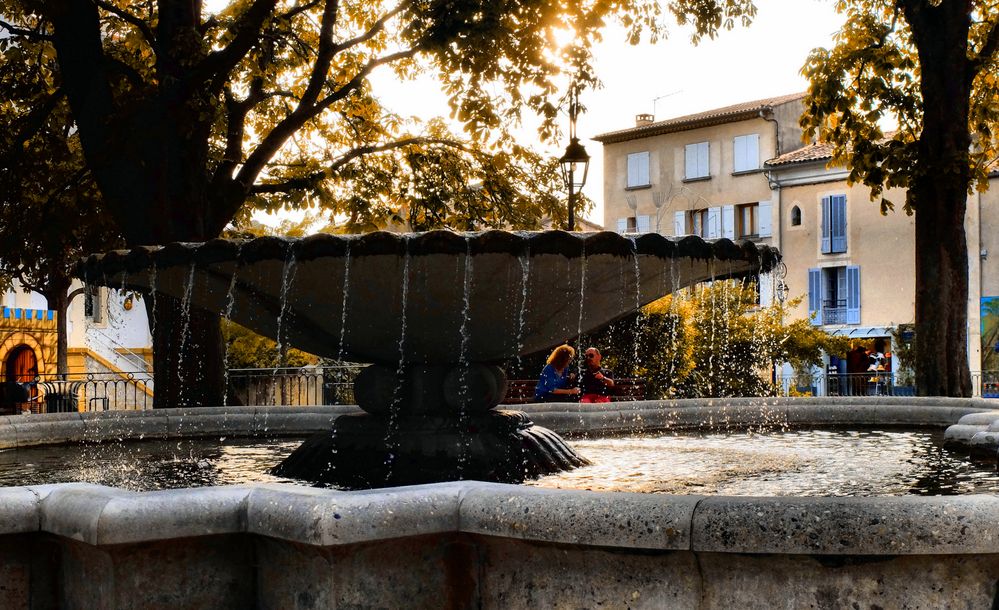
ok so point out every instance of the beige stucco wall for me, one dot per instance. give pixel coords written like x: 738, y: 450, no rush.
x: 667, y: 168
x: 883, y: 247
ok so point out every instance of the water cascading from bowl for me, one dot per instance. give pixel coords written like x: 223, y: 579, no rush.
x: 435, y: 313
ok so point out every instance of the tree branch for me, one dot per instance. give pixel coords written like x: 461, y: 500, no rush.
x: 32, y: 124
x: 375, y: 28
x: 32, y: 34
x: 220, y: 63
x: 129, y: 18
x: 314, y: 178
x: 986, y: 53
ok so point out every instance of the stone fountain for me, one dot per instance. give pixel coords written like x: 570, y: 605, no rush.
x: 436, y: 313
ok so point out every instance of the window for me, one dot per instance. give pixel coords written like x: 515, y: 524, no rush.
x: 93, y: 303
x: 834, y: 224
x: 795, y: 216
x: 696, y: 157
x: 834, y: 295
x: 746, y: 153
x: 634, y: 224
x: 638, y: 170
x: 748, y: 220
x: 752, y: 220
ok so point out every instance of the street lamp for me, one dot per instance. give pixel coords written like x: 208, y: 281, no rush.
x: 575, y: 162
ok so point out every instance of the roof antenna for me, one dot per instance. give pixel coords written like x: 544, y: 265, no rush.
x: 656, y: 99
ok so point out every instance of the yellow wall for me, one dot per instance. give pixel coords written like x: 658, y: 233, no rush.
x: 39, y: 335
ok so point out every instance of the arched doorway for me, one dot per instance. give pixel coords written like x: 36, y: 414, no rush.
x: 21, y: 369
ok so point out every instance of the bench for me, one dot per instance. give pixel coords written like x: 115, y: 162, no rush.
x: 521, y: 391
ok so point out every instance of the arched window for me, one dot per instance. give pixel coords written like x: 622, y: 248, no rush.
x: 795, y: 216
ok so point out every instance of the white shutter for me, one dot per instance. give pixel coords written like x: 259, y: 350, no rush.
x: 703, y: 168
x: 622, y: 225
x: 728, y: 221
x: 691, y: 161
x: 764, y: 213
x: 739, y: 154
x: 644, y: 223
x: 679, y: 223
x: 753, y: 151
x: 638, y: 169
x: 766, y: 284
x: 714, y: 223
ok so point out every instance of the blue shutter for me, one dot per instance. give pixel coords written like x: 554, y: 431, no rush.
x: 838, y: 216
x: 853, y: 294
x: 826, y: 241
x: 815, y: 296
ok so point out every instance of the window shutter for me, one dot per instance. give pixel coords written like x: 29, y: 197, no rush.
x: 690, y: 158
x: 764, y: 220
x: 815, y: 296
x: 853, y: 294
x: 826, y: 228
x: 644, y: 224
x: 766, y: 284
x: 714, y: 223
x: 679, y: 223
x: 752, y: 151
x: 838, y: 222
x: 622, y: 225
x: 703, y: 167
x: 728, y: 221
x: 738, y: 154
x: 638, y: 169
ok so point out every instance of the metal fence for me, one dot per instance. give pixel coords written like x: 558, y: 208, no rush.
x: 79, y: 392
x: 311, y: 385
x: 984, y: 384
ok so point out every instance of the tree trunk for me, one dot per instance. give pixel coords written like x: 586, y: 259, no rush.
x: 56, y: 293
x: 940, y: 193
x: 188, y: 368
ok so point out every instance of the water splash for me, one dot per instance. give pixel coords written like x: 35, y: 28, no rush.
x: 525, y: 271
x: 463, y: 363
x: 230, y: 301
x: 185, y: 317
x: 391, y: 434
x: 287, y: 277
x: 346, y: 302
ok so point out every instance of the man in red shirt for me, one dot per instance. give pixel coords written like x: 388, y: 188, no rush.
x: 596, y: 383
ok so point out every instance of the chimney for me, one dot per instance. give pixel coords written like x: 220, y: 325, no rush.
x: 641, y: 120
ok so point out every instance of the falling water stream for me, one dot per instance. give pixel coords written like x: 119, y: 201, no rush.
x: 391, y: 434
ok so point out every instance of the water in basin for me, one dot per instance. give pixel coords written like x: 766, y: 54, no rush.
x: 778, y: 463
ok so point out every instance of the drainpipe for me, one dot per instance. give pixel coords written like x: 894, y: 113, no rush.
x: 767, y: 114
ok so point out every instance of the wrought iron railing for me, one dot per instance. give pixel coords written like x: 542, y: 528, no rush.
x: 983, y: 384
x: 311, y: 385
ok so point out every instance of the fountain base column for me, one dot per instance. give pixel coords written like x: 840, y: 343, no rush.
x: 429, y: 424
x: 364, y: 451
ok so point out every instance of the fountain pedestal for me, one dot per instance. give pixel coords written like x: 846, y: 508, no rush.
x: 429, y: 423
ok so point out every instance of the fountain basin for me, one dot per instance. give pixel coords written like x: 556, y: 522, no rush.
x: 470, y: 544
x: 433, y: 298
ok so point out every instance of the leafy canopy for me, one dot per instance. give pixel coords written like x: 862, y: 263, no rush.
x: 872, y: 78
x: 271, y: 101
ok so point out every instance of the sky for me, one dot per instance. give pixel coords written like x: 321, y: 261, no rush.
x: 743, y: 64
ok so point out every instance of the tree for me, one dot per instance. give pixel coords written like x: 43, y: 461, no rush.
x: 930, y: 65
x: 50, y: 212
x: 184, y: 116
x: 713, y: 340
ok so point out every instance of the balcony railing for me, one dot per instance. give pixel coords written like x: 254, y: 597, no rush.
x: 834, y: 311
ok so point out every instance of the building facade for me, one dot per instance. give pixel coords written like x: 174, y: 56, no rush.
x: 743, y: 172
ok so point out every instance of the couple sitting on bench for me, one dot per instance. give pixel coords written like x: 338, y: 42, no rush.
x: 558, y: 385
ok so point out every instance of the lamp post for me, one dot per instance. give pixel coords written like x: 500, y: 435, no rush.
x: 575, y: 162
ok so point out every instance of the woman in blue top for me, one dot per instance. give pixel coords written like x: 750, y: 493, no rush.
x: 551, y: 385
